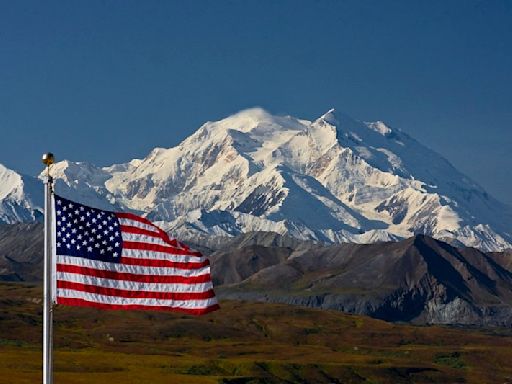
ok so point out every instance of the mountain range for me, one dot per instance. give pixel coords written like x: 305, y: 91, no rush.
x: 329, y: 180
x: 419, y: 280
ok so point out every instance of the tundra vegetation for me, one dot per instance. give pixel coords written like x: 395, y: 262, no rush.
x: 242, y: 343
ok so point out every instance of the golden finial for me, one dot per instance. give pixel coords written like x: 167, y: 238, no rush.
x: 48, y: 159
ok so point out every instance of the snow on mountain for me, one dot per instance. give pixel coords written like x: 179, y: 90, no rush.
x: 85, y: 182
x: 21, y: 197
x: 333, y: 179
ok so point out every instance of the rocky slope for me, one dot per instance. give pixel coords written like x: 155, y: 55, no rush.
x: 21, y: 252
x: 420, y: 280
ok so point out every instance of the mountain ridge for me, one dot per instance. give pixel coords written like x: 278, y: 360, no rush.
x: 419, y: 280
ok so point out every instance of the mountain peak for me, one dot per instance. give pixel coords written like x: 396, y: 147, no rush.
x: 254, y: 113
x: 258, y: 120
x: 9, y: 181
x: 73, y: 170
x: 246, y: 120
x: 20, y: 197
x: 330, y: 117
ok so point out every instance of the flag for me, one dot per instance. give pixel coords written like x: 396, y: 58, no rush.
x: 114, y: 260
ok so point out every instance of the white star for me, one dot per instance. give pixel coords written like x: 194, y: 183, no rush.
x: 89, y: 249
x: 64, y: 208
x: 88, y: 213
x: 68, y: 246
x: 58, y: 244
x: 77, y: 211
x: 58, y: 213
x: 59, y: 202
x: 111, y: 238
x: 93, y: 220
x: 79, y: 237
x: 73, y: 230
x: 73, y: 241
x: 78, y: 247
x: 109, y: 249
x: 68, y: 235
x: 70, y: 205
x: 84, y: 243
x: 102, y: 251
x: 116, y: 244
x: 81, y: 208
x: 97, y: 245
x: 104, y: 222
x: 115, y: 254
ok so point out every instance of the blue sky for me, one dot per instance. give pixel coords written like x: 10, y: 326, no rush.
x: 107, y: 81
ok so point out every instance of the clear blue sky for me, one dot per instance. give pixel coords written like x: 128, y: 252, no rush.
x: 107, y: 81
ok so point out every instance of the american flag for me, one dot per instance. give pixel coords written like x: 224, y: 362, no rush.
x: 117, y: 260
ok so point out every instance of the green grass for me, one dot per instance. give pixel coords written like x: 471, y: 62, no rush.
x: 453, y: 360
x: 241, y: 343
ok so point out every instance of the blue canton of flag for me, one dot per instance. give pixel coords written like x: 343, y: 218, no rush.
x: 87, y: 232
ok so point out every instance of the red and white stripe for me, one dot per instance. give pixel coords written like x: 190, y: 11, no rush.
x: 155, y: 273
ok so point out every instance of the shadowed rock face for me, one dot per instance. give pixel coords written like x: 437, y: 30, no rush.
x: 420, y: 279
x: 21, y: 252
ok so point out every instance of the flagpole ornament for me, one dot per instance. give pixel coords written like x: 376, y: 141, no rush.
x: 48, y: 159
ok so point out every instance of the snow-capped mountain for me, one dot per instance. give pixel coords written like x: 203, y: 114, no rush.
x: 333, y: 179
x: 21, y: 197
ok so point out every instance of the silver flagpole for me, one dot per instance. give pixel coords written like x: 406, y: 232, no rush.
x: 48, y: 160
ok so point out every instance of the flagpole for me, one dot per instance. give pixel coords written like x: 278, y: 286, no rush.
x: 48, y: 160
